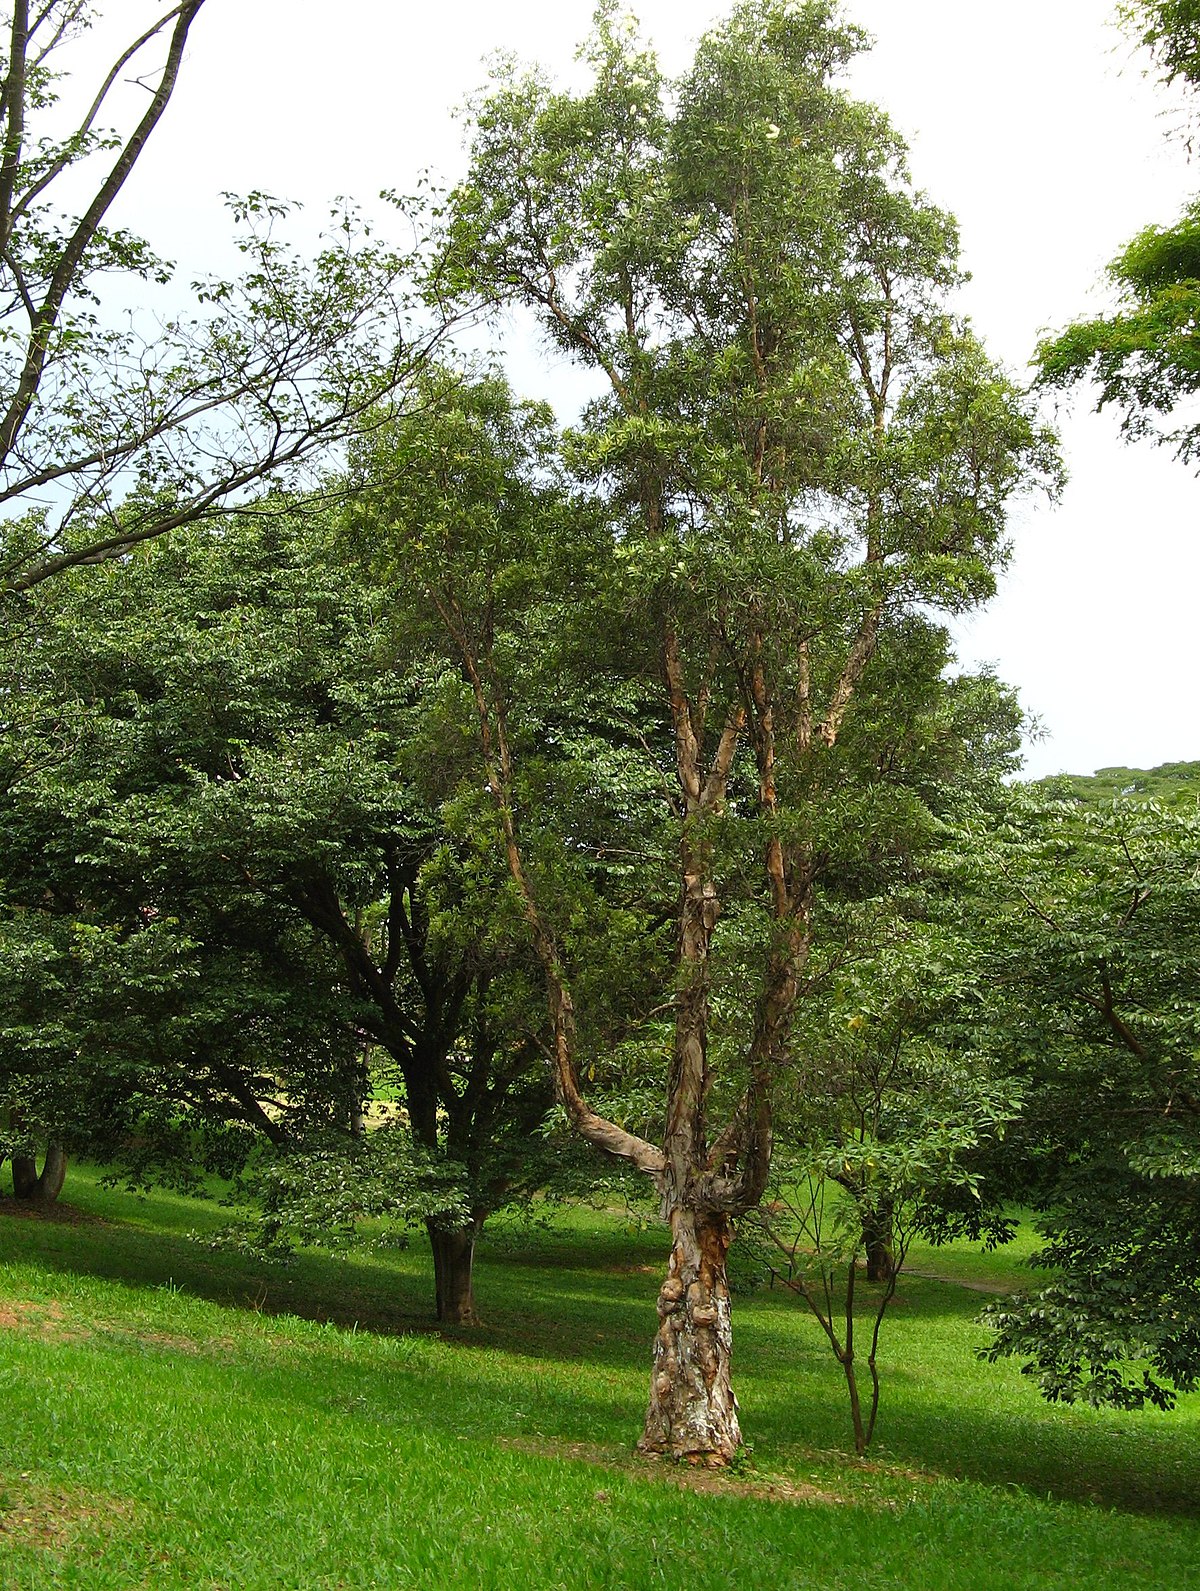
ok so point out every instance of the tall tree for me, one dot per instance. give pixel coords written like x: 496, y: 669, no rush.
x: 797, y: 446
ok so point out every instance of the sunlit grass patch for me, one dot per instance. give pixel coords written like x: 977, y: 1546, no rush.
x: 313, y: 1428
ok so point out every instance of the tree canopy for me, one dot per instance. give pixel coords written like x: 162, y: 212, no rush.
x: 1144, y: 358
x: 244, y: 861
x: 115, y: 429
x: 801, y: 453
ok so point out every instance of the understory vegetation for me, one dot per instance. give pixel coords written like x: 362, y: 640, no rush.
x: 177, y: 1417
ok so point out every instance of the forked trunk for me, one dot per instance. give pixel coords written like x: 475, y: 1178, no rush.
x: 453, y: 1260
x: 46, y: 1186
x: 693, y: 1412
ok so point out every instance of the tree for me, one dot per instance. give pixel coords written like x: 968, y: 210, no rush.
x: 1145, y: 357
x: 163, y: 1022
x: 111, y: 434
x: 798, y: 446
x: 166, y: 1043
x: 1086, y: 921
x: 227, y: 766
x: 885, y: 1132
x: 1171, y: 30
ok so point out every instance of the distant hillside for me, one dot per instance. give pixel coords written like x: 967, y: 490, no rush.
x: 1170, y: 784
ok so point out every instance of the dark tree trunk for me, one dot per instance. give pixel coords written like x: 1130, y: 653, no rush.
x: 693, y: 1412
x: 24, y: 1176
x: 453, y: 1259
x: 28, y: 1184
x: 877, y: 1241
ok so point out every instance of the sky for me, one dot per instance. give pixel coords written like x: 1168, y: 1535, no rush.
x: 1033, y: 122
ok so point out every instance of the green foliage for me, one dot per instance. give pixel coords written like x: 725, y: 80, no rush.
x: 1171, y: 784
x: 462, y: 510
x: 1144, y: 359
x: 889, y: 1102
x: 148, y: 995
x: 754, y: 275
x: 119, y: 427
x: 321, y: 1196
x: 223, y: 785
x: 886, y: 1129
x: 1171, y: 30
x: 1086, y: 927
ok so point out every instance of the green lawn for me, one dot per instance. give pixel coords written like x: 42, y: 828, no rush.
x: 178, y: 1418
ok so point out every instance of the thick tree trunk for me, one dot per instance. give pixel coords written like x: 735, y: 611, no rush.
x: 453, y: 1260
x: 693, y: 1412
x: 28, y: 1184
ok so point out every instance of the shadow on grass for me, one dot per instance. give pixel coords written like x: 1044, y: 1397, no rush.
x: 525, y: 1307
x: 944, y: 1412
x: 570, y: 1303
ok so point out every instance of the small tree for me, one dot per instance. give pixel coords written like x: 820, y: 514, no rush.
x: 884, y: 1129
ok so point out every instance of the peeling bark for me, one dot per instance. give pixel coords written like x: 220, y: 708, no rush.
x: 693, y: 1411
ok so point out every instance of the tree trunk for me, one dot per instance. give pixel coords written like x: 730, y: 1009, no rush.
x: 27, y: 1184
x: 453, y: 1259
x: 24, y: 1175
x: 877, y: 1241
x: 693, y: 1412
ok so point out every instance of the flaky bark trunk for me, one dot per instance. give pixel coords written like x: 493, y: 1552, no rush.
x: 453, y: 1263
x: 28, y: 1184
x: 693, y: 1412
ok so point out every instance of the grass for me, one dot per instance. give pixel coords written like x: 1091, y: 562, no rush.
x: 177, y: 1418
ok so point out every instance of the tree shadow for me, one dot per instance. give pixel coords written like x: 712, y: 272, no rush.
x: 1139, y: 1463
x: 573, y: 1302
x: 525, y: 1304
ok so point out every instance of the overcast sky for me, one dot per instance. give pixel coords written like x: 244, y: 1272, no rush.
x: 1031, y: 121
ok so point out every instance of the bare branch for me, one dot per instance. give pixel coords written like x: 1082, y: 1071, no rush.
x: 64, y: 275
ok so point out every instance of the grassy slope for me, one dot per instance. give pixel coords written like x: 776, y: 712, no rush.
x: 163, y: 1427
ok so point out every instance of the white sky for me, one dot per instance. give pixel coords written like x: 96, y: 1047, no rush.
x: 1031, y: 121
